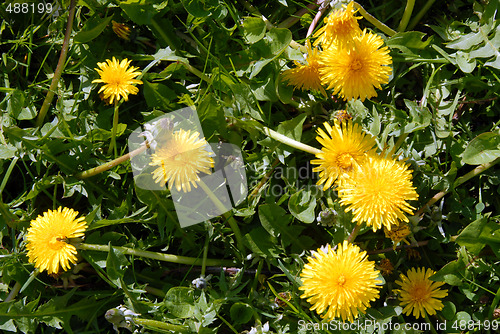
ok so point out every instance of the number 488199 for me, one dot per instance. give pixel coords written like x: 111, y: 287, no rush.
x: 25, y: 8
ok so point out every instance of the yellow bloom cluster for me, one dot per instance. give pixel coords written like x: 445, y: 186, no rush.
x: 353, y: 62
x: 375, y: 188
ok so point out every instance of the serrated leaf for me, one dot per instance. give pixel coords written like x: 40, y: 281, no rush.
x: 115, y: 262
x: 482, y: 149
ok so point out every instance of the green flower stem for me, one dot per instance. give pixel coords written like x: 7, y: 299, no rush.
x: 289, y: 141
x: 108, y: 165
x: 406, y: 15
x: 382, y: 27
x: 205, y: 254
x: 158, y: 256
x: 198, y: 73
x: 112, y: 146
x: 59, y: 68
x: 433, y: 330
x: 13, y: 293
x: 154, y: 324
x: 476, y: 171
x: 230, y: 219
x: 420, y: 14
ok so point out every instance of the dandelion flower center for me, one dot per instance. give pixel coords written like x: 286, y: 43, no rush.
x: 57, y: 242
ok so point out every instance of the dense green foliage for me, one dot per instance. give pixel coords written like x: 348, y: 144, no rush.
x: 440, y: 108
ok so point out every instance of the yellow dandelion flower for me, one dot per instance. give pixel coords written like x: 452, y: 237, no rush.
x: 386, y: 267
x: 48, y: 239
x: 181, y: 159
x: 341, y: 26
x: 118, y: 79
x: 398, y: 233
x: 419, y: 294
x: 121, y: 30
x: 306, y: 76
x: 355, y: 71
x: 341, y: 282
x: 344, y: 146
x: 377, y: 192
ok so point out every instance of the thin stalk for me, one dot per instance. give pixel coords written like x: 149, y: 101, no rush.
x: 476, y: 171
x: 112, y: 146
x: 400, y: 141
x: 420, y: 14
x: 198, y: 73
x: 108, y: 165
x: 59, y: 68
x: 354, y: 233
x: 13, y: 293
x: 161, y: 325
x: 406, y: 15
x: 7, y: 174
x: 205, y: 254
x: 157, y: 256
x: 315, y: 20
x: 289, y: 141
x: 232, y: 222
x: 382, y: 27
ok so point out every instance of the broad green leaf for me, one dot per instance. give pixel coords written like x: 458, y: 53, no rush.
x: 279, y: 39
x: 92, y: 29
x: 260, y: 242
x: 180, y: 301
x: 449, y: 310
x: 480, y: 233
x: 254, y: 29
x: 7, y: 151
x: 158, y: 95
x: 140, y: 13
x: 241, y: 313
x: 302, y: 206
x: 292, y: 128
x: 269, y: 215
x: 451, y: 273
x: 482, y: 149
